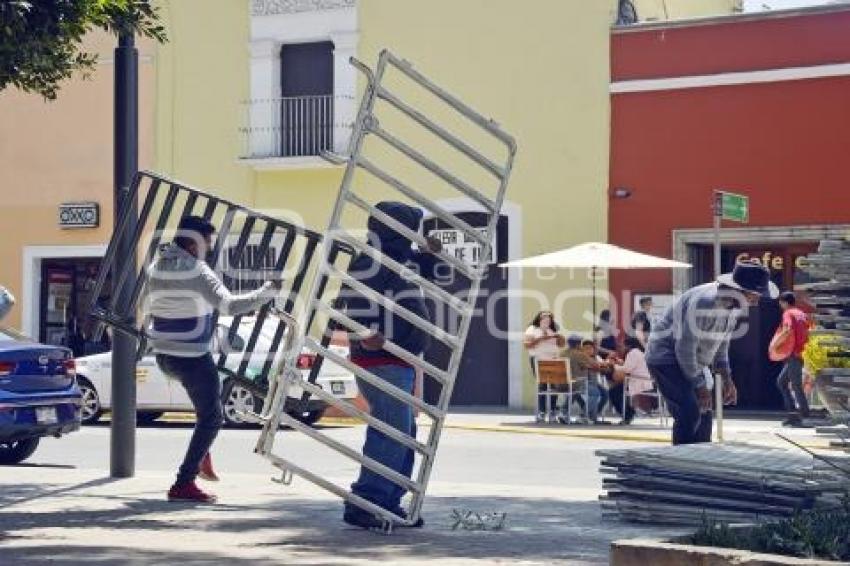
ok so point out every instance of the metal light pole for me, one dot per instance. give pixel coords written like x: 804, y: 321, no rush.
x: 126, y: 146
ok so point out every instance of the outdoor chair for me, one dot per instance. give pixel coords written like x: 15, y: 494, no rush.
x: 556, y: 377
x: 652, y: 393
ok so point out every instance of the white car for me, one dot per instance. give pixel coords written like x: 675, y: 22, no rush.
x: 157, y: 394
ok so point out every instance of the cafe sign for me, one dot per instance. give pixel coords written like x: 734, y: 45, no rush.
x: 774, y: 261
x: 79, y: 215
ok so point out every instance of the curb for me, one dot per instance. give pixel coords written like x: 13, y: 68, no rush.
x: 623, y: 436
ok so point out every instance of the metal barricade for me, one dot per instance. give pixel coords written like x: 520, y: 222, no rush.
x: 318, y: 302
x: 290, y: 250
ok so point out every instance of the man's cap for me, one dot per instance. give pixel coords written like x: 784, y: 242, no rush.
x: 750, y: 277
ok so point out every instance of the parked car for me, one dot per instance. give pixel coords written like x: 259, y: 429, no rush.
x: 158, y: 394
x: 38, y: 395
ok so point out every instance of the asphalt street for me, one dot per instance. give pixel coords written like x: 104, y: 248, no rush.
x: 463, y: 456
x: 61, y: 508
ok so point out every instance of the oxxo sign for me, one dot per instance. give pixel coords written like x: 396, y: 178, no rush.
x: 770, y: 260
x: 79, y: 215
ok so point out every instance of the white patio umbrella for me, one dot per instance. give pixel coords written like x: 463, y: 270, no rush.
x: 596, y: 255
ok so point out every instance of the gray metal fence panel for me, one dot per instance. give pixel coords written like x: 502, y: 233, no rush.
x: 367, y: 126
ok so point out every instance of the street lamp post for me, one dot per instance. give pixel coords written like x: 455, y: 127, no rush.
x: 126, y: 157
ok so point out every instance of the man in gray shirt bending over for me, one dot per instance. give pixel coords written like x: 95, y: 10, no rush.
x: 692, y: 335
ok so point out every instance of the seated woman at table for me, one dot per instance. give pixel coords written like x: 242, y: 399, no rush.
x: 543, y: 342
x: 633, y: 367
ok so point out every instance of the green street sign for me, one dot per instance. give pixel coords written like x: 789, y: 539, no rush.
x: 734, y: 207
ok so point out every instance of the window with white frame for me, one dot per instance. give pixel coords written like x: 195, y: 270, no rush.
x: 302, y: 86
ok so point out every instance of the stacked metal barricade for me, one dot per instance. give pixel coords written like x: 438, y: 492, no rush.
x: 831, y: 295
x: 687, y: 484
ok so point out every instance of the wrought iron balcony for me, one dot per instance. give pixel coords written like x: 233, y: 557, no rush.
x: 294, y: 127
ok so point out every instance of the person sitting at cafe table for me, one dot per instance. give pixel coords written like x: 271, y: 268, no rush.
x: 634, y: 368
x: 543, y: 342
x: 584, y: 364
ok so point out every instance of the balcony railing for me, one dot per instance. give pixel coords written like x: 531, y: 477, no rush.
x: 299, y: 126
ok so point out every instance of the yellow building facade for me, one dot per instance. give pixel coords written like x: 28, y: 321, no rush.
x: 224, y: 92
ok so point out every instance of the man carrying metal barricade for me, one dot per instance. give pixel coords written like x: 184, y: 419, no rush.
x: 368, y: 352
x: 184, y: 294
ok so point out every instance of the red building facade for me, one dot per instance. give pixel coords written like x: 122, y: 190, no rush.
x: 752, y: 104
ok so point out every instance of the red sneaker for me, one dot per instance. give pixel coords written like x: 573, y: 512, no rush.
x: 190, y: 492
x: 205, y: 471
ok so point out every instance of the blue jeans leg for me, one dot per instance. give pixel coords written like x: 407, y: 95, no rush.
x: 199, y: 376
x: 597, y: 396
x: 690, y: 425
x: 791, y: 378
x: 381, y: 448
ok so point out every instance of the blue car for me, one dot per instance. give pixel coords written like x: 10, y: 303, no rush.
x: 38, y: 395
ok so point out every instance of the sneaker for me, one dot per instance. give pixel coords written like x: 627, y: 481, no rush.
x: 358, y: 518
x: 540, y: 418
x: 563, y: 419
x: 190, y: 492
x: 205, y: 471
x: 793, y: 421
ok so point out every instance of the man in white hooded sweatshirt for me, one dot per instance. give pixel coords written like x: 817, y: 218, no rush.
x: 183, y: 295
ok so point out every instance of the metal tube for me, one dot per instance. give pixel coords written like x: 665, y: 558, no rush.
x: 274, y: 403
x: 223, y: 233
x: 454, y: 362
x: 111, y: 249
x: 436, y: 209
x: 407, y: 274
x: 122, y: 438
x: 156, y: 237
x: 288, y: 306
x: 415, y: 237
x: 134, y: 236
x: 441, y: 132
x: 391, y: 518
x: 393, y: 307
x: 215, y: 201
x: 365, y: 461
x: 399, y: 394
x: 353, y: 411
x: 486, y: 123
x: 462, y: 186
x: 247, y: 228
x: 260, y: 319
x: 438, y: 374
x: 209, y: 210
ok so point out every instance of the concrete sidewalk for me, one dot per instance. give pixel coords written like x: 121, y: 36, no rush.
x: 736, y: 429
x: 70, y: 517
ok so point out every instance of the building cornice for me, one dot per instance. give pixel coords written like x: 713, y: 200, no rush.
x: 273, y: 7
x: 837, y: 7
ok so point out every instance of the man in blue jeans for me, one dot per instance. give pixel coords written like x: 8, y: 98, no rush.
x: 368, y: 353
x: 693, y: 334
x: 183, y: 293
